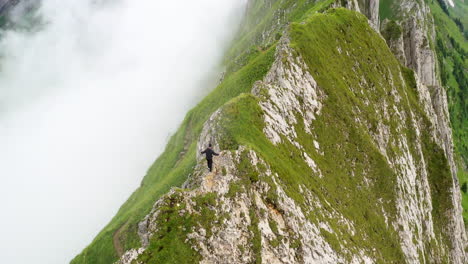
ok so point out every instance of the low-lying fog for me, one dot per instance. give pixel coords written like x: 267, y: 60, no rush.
x: 87, y: 102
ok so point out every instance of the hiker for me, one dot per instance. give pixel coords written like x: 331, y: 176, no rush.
x: 209, y: 156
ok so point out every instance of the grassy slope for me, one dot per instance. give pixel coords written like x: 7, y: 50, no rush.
x: 329, y: 68
x: 173, y: 167
x: 350, y: 143
x: 261, y: 18
x: 452, y: 51
x: 460, y: 11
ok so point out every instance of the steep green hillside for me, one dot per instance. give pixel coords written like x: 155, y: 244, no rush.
x: 349, y: 142
x: 452, y: 53
x: 253, y: 58
x: 263, y: 24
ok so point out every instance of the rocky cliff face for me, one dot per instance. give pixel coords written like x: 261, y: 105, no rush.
x: 369, y: 8
x: 338, y: 155
x: 412, y: 44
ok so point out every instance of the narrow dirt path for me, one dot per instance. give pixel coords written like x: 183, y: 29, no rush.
x: 117, y: 245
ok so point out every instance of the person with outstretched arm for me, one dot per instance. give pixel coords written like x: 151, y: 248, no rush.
x: 209, y: 156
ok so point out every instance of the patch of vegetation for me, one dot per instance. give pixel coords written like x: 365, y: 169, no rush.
x: 273, y: 226
x: 245, y: 168
x: 234, y: 189
x: 392, y: 31
x: 170, y: 244
x: 205, y: 205
x: 410, y: 79
x: 272, y: 198
x: 440, y: 180
x: 295, y: 243
x: 463, y: 176
x: 452, y: 51
x: 459, y: 16
x: 257, y: 238
x: 167, y: 245
x: 331, y: 239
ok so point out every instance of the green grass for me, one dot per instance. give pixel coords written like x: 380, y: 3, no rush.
x: 440, y: 180
x: 260, y: 27
x: 167, y: 245
x: 392, y: 31
x: 257, y: 239
x: 351, y: 143
x: 343, y: 184
x: 459, y: 12
x: 463, y: 177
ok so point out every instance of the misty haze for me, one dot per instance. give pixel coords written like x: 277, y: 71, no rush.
x: 89, y: 94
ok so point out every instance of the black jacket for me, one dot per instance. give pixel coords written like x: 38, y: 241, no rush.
x: 209, y: 153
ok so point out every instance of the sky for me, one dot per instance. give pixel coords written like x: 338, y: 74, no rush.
x: 88, y: 99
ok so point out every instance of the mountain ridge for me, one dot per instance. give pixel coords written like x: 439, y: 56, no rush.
x: 425, y: 91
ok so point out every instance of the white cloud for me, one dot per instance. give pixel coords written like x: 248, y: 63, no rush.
x: 87, y: 104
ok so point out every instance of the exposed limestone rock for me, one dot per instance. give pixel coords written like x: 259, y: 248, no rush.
x: 207, y: 137
x: 288, y: 90
x: 143, y: 232
x: 413, y: 202
x: 369, y: 8
x: 418, y: 32
x: 373, y: 14
x: 130, y: 256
